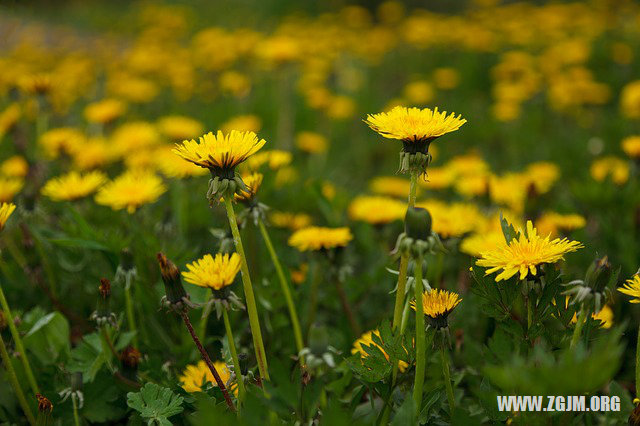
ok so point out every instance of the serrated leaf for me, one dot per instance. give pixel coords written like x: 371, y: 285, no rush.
x: 155, y: 403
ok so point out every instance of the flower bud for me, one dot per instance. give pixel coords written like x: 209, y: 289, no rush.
x: 175, y: 292
x: 44, y: 405
x: 599, y: 274
x: 103, y: 314
x: 417, y: 223
x: 126, y: 259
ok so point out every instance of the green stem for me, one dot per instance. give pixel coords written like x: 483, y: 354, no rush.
x: 447, y: 377
x: 76, y: 417
x: 252, y: 310
x: 234, y: 355
x: 131, y: 319
x: 577, y: 331
x: 313, y: 297
x: 13, y: 379
x: 638, y: 366
x: 18, y: 342
x: 286, y: 290
x: 420, y: 338
x: 107, y: 346
x: 205, y: 318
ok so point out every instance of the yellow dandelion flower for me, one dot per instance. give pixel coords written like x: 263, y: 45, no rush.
x: 472, y: 185
x: 390, y: 185
x: 131, y: 190
x: 376, y: 210
x: 630, y: 99
x: 525, y: 254
x: 215, y: 273
x: 242, y: 123
x: 95, y: 152
x: 6, y: 209
x: 63, y: 139
x: 311, y: 142
x: 446, y: 78
x: 605, y: 316
x: 73, y: 185
x: 632, y: 288
x: 104, y: 111
x: 510, y: 189
x: 253, y: 182
x: 9, y: 187
x: 613, y: 167
x: 414, y: 124
x: 133, y: 136
x: 274, y: 158
x: 14, y: 166
x: 438, y: 304
x: 468, y: 164
x: 235, y: 83
x: 550, y: 223
x: 631, y: 146
x: 320, y: 238
x: 220, y: 152
x: 476, y: 244
x: 177, y: 127
x: 293, y: 221
x: 542, y: 176
x: 9, y: 117
x: 196, y: 375
x: 367, y: 340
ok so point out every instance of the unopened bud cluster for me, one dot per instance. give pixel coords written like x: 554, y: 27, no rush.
x: 176, y: 297
x: 418, y: 238
x: 225, y: 185
x: 103, y: 315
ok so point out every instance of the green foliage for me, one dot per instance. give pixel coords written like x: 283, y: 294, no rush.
x: 156, y: 404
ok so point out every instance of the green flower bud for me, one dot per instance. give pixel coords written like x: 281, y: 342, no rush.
x: 417, y: 223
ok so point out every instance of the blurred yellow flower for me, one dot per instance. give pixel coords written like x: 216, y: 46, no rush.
x: 220, y: 152
x: 630, y: 99
x: 476, y: 244
x: 311, y: 142
x: 73, y: 185
x: 63, y: 139
x: 376, y: 210
x: 235, y: 83
x: 390, y: 185
x: 9, y: 117
x: 293, y: 221
x: 613, y: 167
x: 524, y: 254
x: 104, y: 111
x: 631, y: 146
x: 242, y: 123
x: 446, y: 78
x: 320, y: 238
x: 550, y: 223
x: 168, y: 166
x: 542, y: 176
x: 131, y: 190
x: 178, y: 127
x: 9, y: 187
x: 253, y: 182
x: 6, y: 209
x: 274, y: 158
x: 299, y: 275
x: 95, y: 152
x: 213, y: 272
x: 14, y: 166
x: 605, y: 316
x: 133, y: 136
x: 418, y: 92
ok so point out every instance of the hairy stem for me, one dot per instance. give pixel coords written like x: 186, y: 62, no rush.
x: 207, y: 360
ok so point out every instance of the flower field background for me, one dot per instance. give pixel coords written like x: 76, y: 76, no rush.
x: 225, y: 214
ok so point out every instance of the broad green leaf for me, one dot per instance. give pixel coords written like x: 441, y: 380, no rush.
x: 155, y: 403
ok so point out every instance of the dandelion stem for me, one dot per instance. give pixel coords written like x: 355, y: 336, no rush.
x: 313, y: 297
x: 577, y: 331
x: 234, y: 355
x: 286, y: 290
x: 205, y: 317
x: 447, y: 377
x: 131, y: 319
x: 76, y: 418
x: 638, y: 365
x: 252, y: 310
x: 13, y: 379
x: 107, y: 341
x: 18, y: 342
x: 207, y: 360
x: 420, y: 338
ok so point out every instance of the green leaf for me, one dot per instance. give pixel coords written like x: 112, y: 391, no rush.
x: 48, y: 338
x: 87, y: 357
x: 508, y: 230
x: 405, y: 414
x: 155, y: 403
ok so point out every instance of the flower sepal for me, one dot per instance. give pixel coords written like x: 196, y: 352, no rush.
x: 223, y: 186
